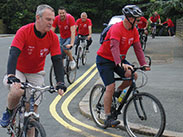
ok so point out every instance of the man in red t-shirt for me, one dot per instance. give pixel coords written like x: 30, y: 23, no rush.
x: 29, y: 48
x: 154, y: 18
x: 66, y: 24
x: 118, y: 40
x: 170, y: 26
x: 143, y: 24
x: 84, y: 26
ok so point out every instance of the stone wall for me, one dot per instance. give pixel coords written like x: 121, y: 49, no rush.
x: 179, y: 28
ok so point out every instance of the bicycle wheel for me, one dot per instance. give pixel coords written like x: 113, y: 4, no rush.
x: 143, y: 43
x: 34, y: 127
x: 84, y: 57
x: 78, y: 57
x: 71, y: 73
x: 52, y: 77
x: 144, y: 113
x: 97, y: 105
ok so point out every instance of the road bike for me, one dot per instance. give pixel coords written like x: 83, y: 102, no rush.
x: 143, y: 38
x: 141, y: 112
x: 81, y: 51
x: 24, y: 121
x: 69, y: 73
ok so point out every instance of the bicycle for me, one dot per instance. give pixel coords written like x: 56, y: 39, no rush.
x: 140, y: 109
x: 153, y: 33
x: 24, y: 121
x: 143, y: 38
x: 70, y: 73
x: 81, y: 51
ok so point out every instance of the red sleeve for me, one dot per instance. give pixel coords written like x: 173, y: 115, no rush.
x: 90, y: 22
x: 115, y: 51
x: 71, y: 20
x: 19, y: 39
x: 139, y: 53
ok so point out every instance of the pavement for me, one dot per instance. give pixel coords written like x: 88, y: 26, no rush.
x: 167, y: 58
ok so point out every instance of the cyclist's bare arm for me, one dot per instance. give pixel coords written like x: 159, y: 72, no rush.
x: 73, y: 31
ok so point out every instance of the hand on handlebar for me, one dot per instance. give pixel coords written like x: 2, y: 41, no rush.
x: 126, y: 67
x: 69, y: 46
x: 12, y: 79
x: 146, y: 68
x: 61, y: 88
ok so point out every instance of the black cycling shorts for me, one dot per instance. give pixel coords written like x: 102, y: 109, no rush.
x: 107, y: 68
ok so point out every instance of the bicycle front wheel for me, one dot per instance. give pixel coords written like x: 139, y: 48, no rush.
x: 71, y: 73
x: 52, y: 77
x: 144, y: 113
x: 78, y: 56
x: 97, y: 105
x: 34, y: 128
x: 84, y: 57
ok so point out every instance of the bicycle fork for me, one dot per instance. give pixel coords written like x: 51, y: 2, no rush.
x: 139, y: 107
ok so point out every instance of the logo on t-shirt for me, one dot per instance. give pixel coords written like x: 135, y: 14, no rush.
x: 30, y: 49
x: 44, y: 52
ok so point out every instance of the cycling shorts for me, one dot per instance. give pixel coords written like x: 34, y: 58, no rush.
x: 36, y: 79
x: 107, y: 68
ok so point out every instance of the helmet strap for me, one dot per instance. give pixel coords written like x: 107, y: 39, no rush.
x: 131, y: 23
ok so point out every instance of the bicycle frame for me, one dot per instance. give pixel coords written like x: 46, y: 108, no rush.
x: 23, y: 114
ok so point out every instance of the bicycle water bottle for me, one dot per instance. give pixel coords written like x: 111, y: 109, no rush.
x: 121, y: 96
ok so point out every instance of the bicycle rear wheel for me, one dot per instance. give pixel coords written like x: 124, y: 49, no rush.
x: 97, y: 105
x: 144, y: 113
x: 71, y: 73
x: 36, y: 128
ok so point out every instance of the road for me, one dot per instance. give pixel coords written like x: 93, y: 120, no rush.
x: 60, y: 116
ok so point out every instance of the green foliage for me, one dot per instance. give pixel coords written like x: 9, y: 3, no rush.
x: 16, y: 13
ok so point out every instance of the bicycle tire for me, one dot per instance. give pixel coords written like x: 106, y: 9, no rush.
x: 153, y: 121
x: 143, y: 43
x: 39, y: 129
x: 52, y: 77
x: 71, y: 73
x: 84, y: 57
x: 78, y: 57
x: 97, y: 105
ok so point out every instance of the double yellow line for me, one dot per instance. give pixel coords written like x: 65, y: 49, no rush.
x: 65, y: 104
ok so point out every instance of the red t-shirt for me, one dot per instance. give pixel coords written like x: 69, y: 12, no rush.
x: 142, y: 23
x: 64, y: 26
x: 154, y: 19
x: 124, y: 36
x: 83, y: 26
x: 169, y: 22
x: 33, y: 49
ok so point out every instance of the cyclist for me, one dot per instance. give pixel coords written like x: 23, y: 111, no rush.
x: 66, y: 24
x: 170, y: 26
x: 119, y: 38
x: 29, y: 48
x: 84, y: 25
x: 142, y: 26
x: 153, y: 19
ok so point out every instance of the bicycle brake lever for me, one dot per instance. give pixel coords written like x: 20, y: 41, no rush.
x: 52, y: 89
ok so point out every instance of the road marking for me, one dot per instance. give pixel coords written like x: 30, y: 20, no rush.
x: 54, y: 113
x: 67, y: 114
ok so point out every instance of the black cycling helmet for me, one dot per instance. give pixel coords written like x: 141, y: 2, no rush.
x: 132, y: 11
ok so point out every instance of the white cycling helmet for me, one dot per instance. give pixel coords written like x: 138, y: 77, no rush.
x: 132, y: 11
